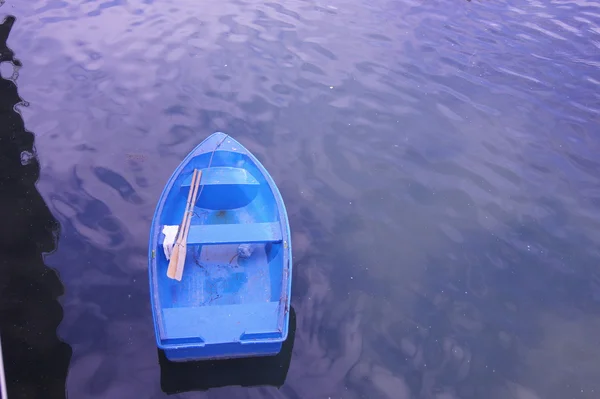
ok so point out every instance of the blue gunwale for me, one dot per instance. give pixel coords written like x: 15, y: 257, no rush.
x: 153, y: 248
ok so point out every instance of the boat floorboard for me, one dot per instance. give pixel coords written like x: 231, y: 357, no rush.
x: 217, y: 276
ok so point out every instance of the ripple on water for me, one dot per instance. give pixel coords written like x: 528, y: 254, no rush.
x: 440, y: 158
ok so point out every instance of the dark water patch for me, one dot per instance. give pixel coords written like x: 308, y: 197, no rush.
x: 283, y: 10
x: 319, y: 49
x: 118, y: 183
x: 264, y: 20
x: 312, y: 68
x: 84, y: 147
x: 36, y: 360
x: 176, y: 110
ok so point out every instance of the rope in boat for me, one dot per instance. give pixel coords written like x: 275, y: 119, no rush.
x: 210, y: 163
x: 193, y: 213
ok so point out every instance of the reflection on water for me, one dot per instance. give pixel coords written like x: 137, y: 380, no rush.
x: 36, y: 360
x: 437, y: 160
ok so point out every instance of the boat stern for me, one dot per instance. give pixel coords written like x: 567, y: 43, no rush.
x: 221, y: 331
x: 189, y: 353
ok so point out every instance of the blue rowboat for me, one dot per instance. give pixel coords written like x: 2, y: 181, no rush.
x: 231, y: 295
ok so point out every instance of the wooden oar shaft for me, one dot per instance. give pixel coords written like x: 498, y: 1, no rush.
x: 182, y: 255
x: 188, y: 206
x: 191, y: 204
x: 174, y: 261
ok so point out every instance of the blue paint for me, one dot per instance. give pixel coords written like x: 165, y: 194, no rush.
x: 233, y: 233
x: 225, y: 187
x: 234, y: 296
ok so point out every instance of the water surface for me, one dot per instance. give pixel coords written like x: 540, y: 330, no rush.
x: 438, y: 161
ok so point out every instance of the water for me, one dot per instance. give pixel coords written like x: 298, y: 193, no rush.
x: 438, y: 161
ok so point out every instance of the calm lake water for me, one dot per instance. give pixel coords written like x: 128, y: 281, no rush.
x: 438, y: 159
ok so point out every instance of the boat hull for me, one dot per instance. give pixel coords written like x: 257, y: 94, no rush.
x: 221, y: 351
x: 234, y: 297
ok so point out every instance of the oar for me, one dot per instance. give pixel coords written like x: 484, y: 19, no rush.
x: 181, y: 258
x: 186, y: 227
x: 176, y: 248
x: 173, y: 262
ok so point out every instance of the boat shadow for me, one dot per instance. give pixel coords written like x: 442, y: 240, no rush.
x: 178, y: 378
x: 36, y: 361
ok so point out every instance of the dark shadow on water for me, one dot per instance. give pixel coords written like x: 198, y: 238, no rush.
x: 249, y: 372
x: 35, y: 359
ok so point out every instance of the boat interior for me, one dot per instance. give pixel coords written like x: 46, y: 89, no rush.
x: 233, y: 277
